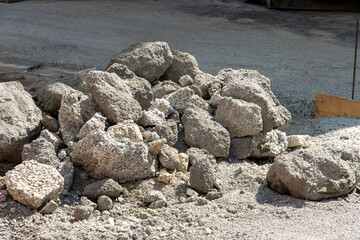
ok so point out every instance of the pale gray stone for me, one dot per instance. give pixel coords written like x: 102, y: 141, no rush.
x: 107, y: 187
x: 127, y: 129
x: 54, y: 139
x: 164, y: 88
x: 204, y: 82
x: 139, y: 87
x: 240, y: 118
x: 169, y: 131
x: 103, y: 156
x: 153, y: 196
x: 151, y: 117
x: 41, y: 151
x: 202, y: 132
x: 104, y: 203
x: 19, y: 120
x: 251, y: 86
x: 318, y: 172
x: 240, y: 148
x: 83, y: 212
x: 182, y: 64
x: 49, y: 208
x: 28, y: 184
x: 185, y: 81
x: 168, y: 157
x: 163, y: 106
x: 269, y: 145
x: 112, y: 96
x: 148, y: 60
x: 202, y: 176
x: 95, y: 122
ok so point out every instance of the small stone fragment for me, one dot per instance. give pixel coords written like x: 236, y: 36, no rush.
x: 164, y: 176
x: 303, y: 141
x: 184, y: 162
x: 185, y: 81
x: 50, y: 123
x: 83, y: 212
x: 155, y: 146
x: 107, y: 187
x: 49, y: 208
x: 105, y: 203
x: 212, y: 195
x: 168, y: 157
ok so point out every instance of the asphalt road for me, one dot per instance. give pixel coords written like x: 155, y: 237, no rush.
x: 301, y: 52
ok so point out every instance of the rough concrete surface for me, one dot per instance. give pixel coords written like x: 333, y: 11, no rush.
x: 301, y: 52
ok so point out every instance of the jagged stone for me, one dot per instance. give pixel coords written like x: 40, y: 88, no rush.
x: 19, y: 120
x: 96, y: 122
x: 127, y: 129
x: 148, y: 60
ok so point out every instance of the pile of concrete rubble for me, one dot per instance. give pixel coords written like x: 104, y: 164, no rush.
x: 154, y: 114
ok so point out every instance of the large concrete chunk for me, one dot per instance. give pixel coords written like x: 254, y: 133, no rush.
x: 103, y: 156
x: 202, y: 132
x: 148, y: 60
x: 240, y: 118
x: 19, y: 120
x: 182, y: 64
x: 202, y: 176
x: 316, y: 173
x: 251, y: 86
x: 112, y: 96
x: 139, y: 87
x: 32, y: 183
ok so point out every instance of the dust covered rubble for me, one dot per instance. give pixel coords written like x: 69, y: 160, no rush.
x: 153, y: 114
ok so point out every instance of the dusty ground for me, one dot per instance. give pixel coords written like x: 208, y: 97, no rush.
x: 301, y: 52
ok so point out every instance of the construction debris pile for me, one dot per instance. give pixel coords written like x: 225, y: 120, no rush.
x: 154, y: 114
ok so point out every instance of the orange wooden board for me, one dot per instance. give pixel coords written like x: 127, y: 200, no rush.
x: 332, y: 106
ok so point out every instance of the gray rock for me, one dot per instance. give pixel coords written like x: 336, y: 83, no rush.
x: 215, y: 89
x: 151, y: 117
x: 240, y: 148
x: 196, y: 90
x: 75, y: 110
x: 269, y: 145
x: 86, y: 202
x: 112, y: 96
x: 3, y: 195
x: 204, y: 82
x: 51, y: 94
x: 49, y: 208
x: 66, y: 169
x: 185, y: 81
x: 103, y: 156
x: 164, y: 88
x: 303, y: 141
x: 139, y: 87
x: 202, y: 132
x: 202, y: 176
x: 62, y: 155
x: 104, y: 203
x: 2, y: 183
x: 251, y: 86
x: 182, y: 64
x: 83, y: 212
x: 158, y: 204
x: 149, y: 136
x: 107, y: 187
x: 50, y: 123
x: 197, y: 154
x: 19, y: 120
x: 54, y: 139
x: 315, y: 173
x: 153, y: 196
x: 78, y: 82
x: 240, y: 118
x: 41, y: 151
x: 26, y: 185
x: 168, y: 157
x: 184, y: 96
x: 214, y: 195
x: 95, y: 122
x: 148, y: 60
x: 169, y: 131
x: 126, y: 129
x: 163, y: 106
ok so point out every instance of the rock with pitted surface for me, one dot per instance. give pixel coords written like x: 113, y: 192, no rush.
x: 318, y: 172
x: 139, y: 87
x: 75, y: 110
x: 28, y: 184
x: 202, y: 176
x: 148, y: 60
x: 251, y: 86
x: 96, y: 122
x: 127, y: 129
x: 240, y: 118
x: 41, y: 151
x: 19, y: 120
x: 103, y: 156
x: 202, y: 132
x: 183, y: 64
x: 168, y: 157
x: 269, y: 145
x: 169, y: 131
x: 164, y: 88
x: 184, y: 96
x: 112, y: 96
x: 107, y: 187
